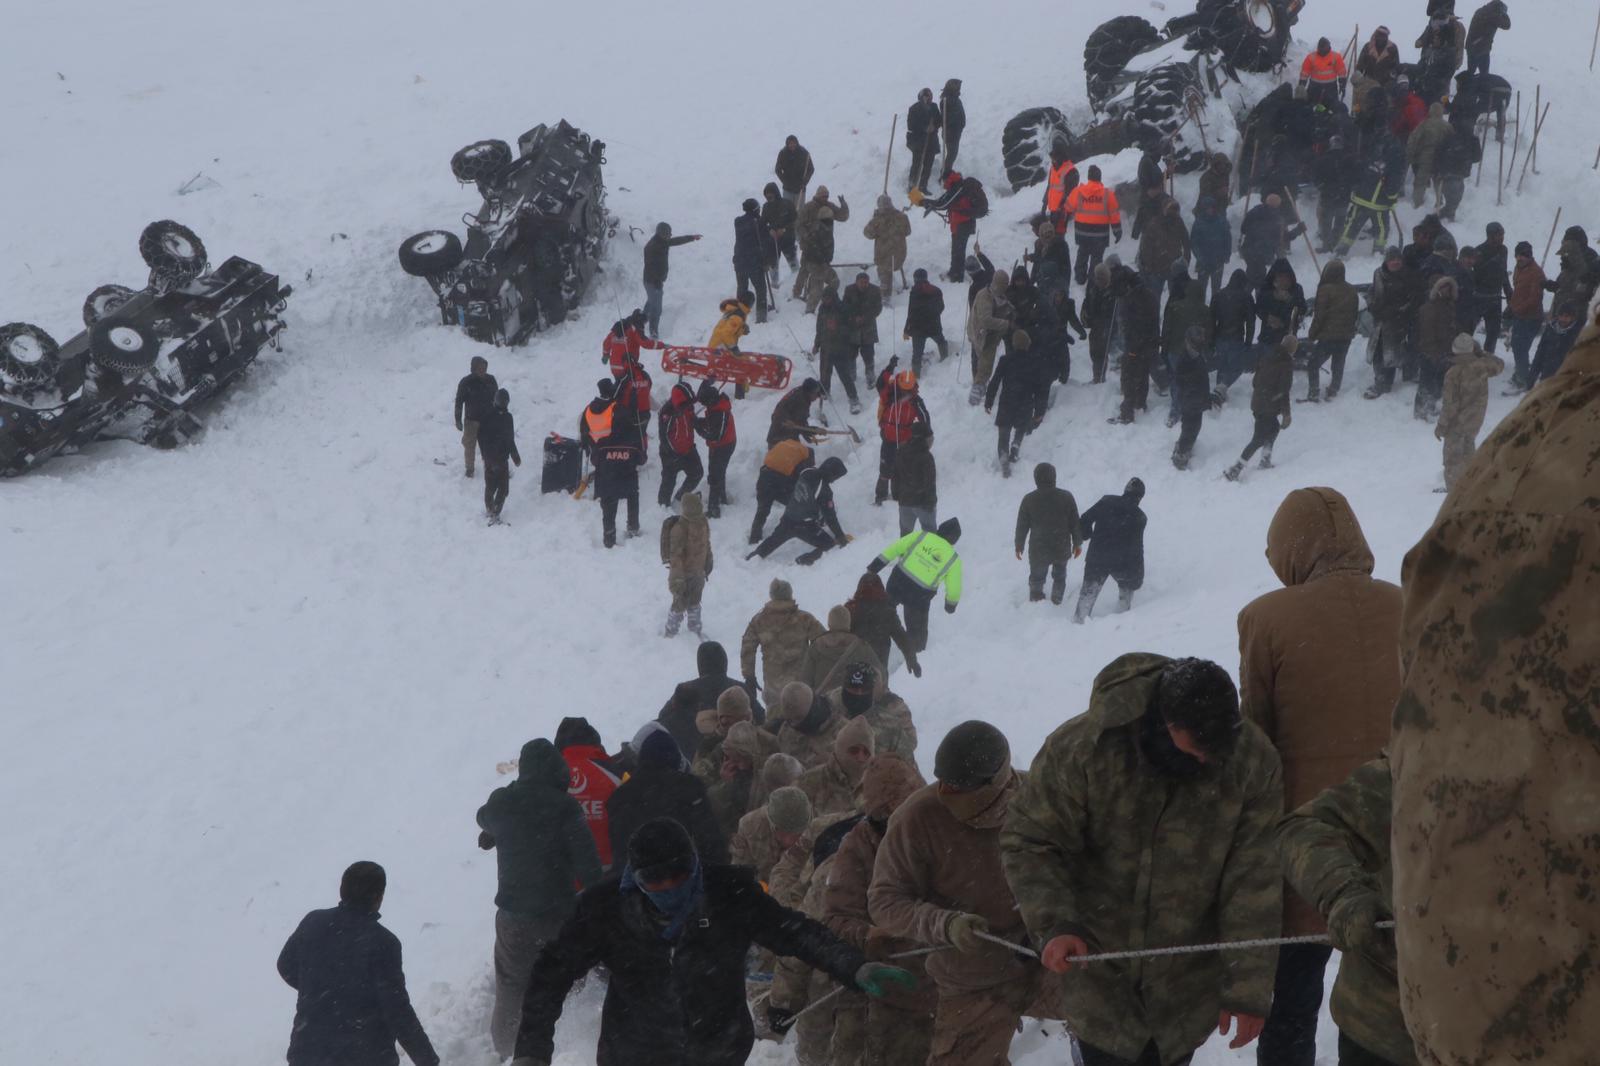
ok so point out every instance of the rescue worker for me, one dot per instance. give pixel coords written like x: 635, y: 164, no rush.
x: 596, y: 423
x: 1047, y: 523
x: 673, y: 933
x: 1114, y: 530
x: 625, y: 341
x: 734, y: 325
x: 923, y: 121
x: 810, y: 515
x: 1466, y: 400
x: 678, y: 451
x: 617, y: 460
x: 542, y: 846
x: 962, y: 204
x: 497, y: 439
x: 1373, y: 197
x: 922, y: 561
x: 594, y: 777
x: 1063, y: 178
x: 780, y: 632
x: 900, y: 408
x: 716, y: 428
x: 1096, y: 221
x: 1099, y: 314
x: 474, y: 399
x: 888, y: 229
x: 689, y: 561
x: 791, y: 416
x: 1323, y: 76
x: 784, y: 463
x: 1195, y: 793
x: 830, y: 655
x: 937, y: 879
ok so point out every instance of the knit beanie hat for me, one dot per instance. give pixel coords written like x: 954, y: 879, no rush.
x: 781, y: 590
x: 794, y: 702
x: 743, y: 739
x: 856, y: 733
x: 660, y: 849
x: 780, y: 770
x: 789, y: 810
x: 839, y: 619
x: 1198, y: 696
x: 971, y: 755
x: 1463, y: 344
x: 734, y: 703
x: 884, y: 202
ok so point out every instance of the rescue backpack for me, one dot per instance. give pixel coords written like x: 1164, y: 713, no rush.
x: 978, y: 197
x: 666, y: 536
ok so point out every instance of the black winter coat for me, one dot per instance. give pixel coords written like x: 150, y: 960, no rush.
x: 699, y: 694
x: 1022, y: 382
x: 497, y: 438
x: 1141, y: 321
x: 662, y: 792
x: 794, y: 169
x: 955, y: 114
x: 656, y: 251
x: 923, y: 120
x: 352, y: 1005
x: 979, y: 279
x: 541, y: 837
x: 475, y: 396
x: 753, y: 247
x: 924, y: 308
x: 916, y: 475
x: 1233, y: 312
x: 1491, y: 280
x: 673, y: 1002
x: 1114, y: 528
x: 1284, y: 306
x: 1193, y: 382
x: 616, y: 468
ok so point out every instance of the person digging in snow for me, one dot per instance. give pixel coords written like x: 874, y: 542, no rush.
x: 686, y: 552
x: 922, y: 562
x: 810, y: 515
x: 1269, y: 403
x: 474, y: 400
x: 673, y: 933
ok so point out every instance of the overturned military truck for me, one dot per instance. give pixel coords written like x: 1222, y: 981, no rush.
x: 532, y: 249
x: 1190, y: 83
x: 146, y: 360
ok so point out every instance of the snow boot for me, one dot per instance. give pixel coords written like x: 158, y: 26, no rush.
x: 1124, y: 599
x: 975, y: 395
x: 694, y: 621
x: 1266, y: 460
x: 1330, y: 394
x: 855, y: 406
x: 810, y: 557
x: 1180, y: 460
x: 634, y: 531
x: 1233, y: 472
x: 756, y: 534
x: 674, y: 620
x: 1373, y: 392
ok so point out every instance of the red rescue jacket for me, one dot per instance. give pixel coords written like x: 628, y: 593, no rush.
x: 618, y: 351
x: 591, y: 784
x: 677, y: 421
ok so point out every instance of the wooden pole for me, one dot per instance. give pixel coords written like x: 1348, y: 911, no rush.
x: 1304, y: 232
x: 1483, y: 143
x: 1596, y: 159
x: 1596, y: 46
x: 889, y: 158
x: 1500, y: 177
x: 1532, y: 149
x: 1552, y: 239
x: 1516, y: 142
x: 1250, y: 183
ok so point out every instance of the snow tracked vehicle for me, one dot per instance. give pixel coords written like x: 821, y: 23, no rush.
x: 146, y: 359
x: 532, y: 249
x: 1143, y: 86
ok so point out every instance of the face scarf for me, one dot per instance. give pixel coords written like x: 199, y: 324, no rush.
x: 856, y: 703
x: 675, y: 904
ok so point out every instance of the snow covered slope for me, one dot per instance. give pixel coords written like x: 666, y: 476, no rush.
x: 235, y: 668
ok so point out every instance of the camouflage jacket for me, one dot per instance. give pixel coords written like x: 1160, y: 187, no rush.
x: 1496, y: 748
x: 1099, y: 846
x: 754, y: 845
x: 828, y: 789
x: 887, y: 230
x: 1466, y: 393
x: 782, y: 632
x: 893, y: 731
x: 1338, y: 843
x: 812, y: 749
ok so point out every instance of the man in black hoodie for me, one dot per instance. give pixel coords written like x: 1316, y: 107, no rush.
x: 810, y: 515
x: 474, y: 398
x: 780, y: 216
x: 754, y: 253
x: 955, y: 120
x: 1114, y: 528
x: 674, y: 933
x: 661, y: 786
x: 700, y: 693
x: 497, y: 439
x: 923, y: 122
x: 542, y: 842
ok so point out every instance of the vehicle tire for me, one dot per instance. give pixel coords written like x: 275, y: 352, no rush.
x: 123, y: 345
x: 172, y: 251
x: 480, y: 161
x: 1251, y: 35
x: 1026, y: 142
x: 1161, y: 99
x: 430, y: 254
x: 104, y: 301
x: 1110, y: 48
x: 29, y: 357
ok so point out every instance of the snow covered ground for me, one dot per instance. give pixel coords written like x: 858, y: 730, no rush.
x: 237, y: 667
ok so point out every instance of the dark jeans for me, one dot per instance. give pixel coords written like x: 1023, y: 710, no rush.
x: 1233, y: 358
x: 1154, y: 280
x: 1208, y: 275
x: 1150, y: 1056
x: 496, y: 483
x: 1011, y: 441
x: 1090, y: 592
x: 952, y: 145
x: 1188, y: 435
x: 1099, y: 339
x: 887, y: 450
x: 1430, y: 387
x: 1477, y: 62
x: 1353, y: 1054
x: 1491, y: 313
x: 1290, y: 1036
x: 959, y: 235
x: 866, y: 352
x: 844, y: 362
x: 652, y: 308
x: 922, y: 153
x: 717, y: 478
x: 771, y: 487
x: 1056, y: 569
x: 1266, y: 435
x: 916, y: 610
x: 1524, y: 331
x: 1322, y: 92
x: 811, y: 533
x: 1135, y: 384
x: 754, y: 281
x: 919, y: 342
x: 688, y: 465
x: 786, y: 248
x: 1090, y: 251
x: 608, y: 516
x: 1324, y: 352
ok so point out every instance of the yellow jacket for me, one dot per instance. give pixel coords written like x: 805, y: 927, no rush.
x: 731, y: 326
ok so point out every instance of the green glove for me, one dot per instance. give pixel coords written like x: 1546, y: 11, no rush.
x: 962, y: 931
x: 1353, y: 927
x: 874, y: 978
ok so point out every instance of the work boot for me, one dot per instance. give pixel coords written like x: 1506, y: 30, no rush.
x: 756, y: 534
x: 810, y: 557
x: 1124, y: 599
x: 1330, y: 394
x: 1233, y: 472
x: 1373, y: 392
x: 1036, y: 595
x: 469, y: 471
x: 855, y: 406
x: 714, y: 511
x: 1266, y: 461
x: 674, y: 620
x: 1180, y: 460
x: 975, y: 396
x: 634, y: 531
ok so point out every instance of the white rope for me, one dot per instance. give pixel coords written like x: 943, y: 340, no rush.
x: 1183, y: 949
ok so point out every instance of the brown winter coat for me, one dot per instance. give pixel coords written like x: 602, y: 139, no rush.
x: 1496, y: 749
x: 933, y: 865
x: 1466, y: 393
x: 1319, y: 659
x: 837, y: 645
x: 1216, y: 182
x: 888, y: 229
x: 845, y: 911
x: 1527, y: 290
x: 689, y: 542
x: 1269, y: 393
x: 1436, y: 323
x: 1337, y: 307
x: 1165, y: 240
x: 781, y: 632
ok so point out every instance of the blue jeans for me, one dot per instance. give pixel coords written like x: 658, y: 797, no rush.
x: 1524, y: 331
x: 652, y: 309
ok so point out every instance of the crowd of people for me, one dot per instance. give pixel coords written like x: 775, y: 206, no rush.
x: 738, y: 870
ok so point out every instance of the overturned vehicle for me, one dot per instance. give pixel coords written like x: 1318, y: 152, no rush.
x: 146, y: 359
x: 532, y: 249
x: 1188, y: 84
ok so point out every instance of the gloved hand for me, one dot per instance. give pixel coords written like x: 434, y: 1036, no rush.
x: 905, y: 336
x: 949, y: 608
x: 874, y: 978
x: 962, y: 932
x: 915, y: 667
x: 485, y: 841
x: 751, y: 681
x: 780, y: 1021
x: 894, y: 361
x: 1353, y: 927
x: 849, y: 538
x: 1216, y: 402
x: 459, y: 426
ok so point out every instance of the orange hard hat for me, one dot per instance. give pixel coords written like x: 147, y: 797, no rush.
x: 906, y: 381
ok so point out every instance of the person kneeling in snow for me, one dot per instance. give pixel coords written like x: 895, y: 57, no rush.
x: 810, y: 515
x: 674, y: 935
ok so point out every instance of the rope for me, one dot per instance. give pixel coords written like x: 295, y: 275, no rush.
x: 1183, y: 949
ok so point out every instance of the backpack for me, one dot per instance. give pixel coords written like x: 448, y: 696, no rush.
x: 978, y: 198
x: 667, y: 525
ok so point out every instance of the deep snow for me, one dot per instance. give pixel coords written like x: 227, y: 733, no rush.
x: 237, y: 667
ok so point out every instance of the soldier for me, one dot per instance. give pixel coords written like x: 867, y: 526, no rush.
x: 988, y: 324
x: 1195, y: 793
x: 922, y: 562
x: 1466, y: 400
x: 1422, y: 149
x: 899, y: 1027
x: 1319, y: 671
x: 937, y: 879
x: 888, y: 229
x: 1494, y: 754
x: 769, y: 830
x: 1114, y: 530
x: 806, y: 724
x: 781, y: 632
x: 689, y: 559
x: 831, y: 786
x: 743, y: 750
x: 474, y: 399
x: 864, y: 694
x: 794, y: 169
x: 1049, y: 516
x: 923, y: 122
x: 1335, y: 853
x: 1269, y: 404
x: 834, y: 648
x: 900, y: 412
x: 814, y: 228
x: 497, y: 439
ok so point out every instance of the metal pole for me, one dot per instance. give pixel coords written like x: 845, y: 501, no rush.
x: 1500, y: 176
